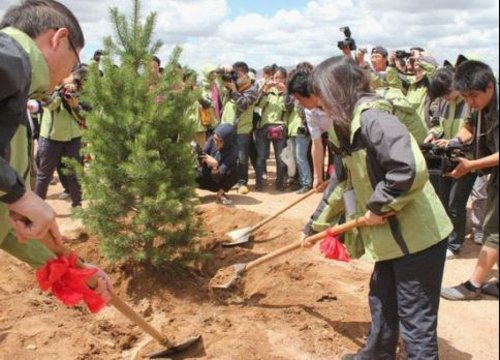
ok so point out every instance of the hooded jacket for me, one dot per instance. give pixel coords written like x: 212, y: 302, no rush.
x: 227, y: 157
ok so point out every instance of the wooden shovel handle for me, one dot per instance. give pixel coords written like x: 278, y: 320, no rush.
x: 275, y: 215
x: 338, y: 229
x: 119, y: 304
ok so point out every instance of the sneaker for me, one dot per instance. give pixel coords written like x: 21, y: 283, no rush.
x: 64, y: 195
x: 243, y: 190
x: 465, y: 291
x: 304, y: 189
x: 450, y: 254
x: 491, y: 288
x: 264, y: 176
x: 478, y: 238
x: 224, y: 200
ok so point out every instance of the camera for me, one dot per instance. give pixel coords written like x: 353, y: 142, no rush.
x: 197, y: 150
x: 348, y: 42
x: 443, y: 160
x: 230, y: 76
x: 302, y: 130
x: 402, y: 54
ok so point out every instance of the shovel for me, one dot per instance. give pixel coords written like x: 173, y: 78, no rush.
x: 123, y: 307
x: 237, y: 270
x: 241, y: 236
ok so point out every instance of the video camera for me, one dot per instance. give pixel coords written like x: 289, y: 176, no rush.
x: 443, y: 160
x: 348, y: 42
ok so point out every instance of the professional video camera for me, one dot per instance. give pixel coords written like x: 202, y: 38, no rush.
x: 443, y: 160
x: 348, y: 42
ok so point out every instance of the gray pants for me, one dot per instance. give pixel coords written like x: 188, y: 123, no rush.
x: 478, y: 197
x: 49, y: 156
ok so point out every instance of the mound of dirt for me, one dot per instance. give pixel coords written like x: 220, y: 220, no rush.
x: 298, y: 306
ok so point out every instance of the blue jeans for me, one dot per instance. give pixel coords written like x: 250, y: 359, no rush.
x: 242, y: 142
x: 262, y: 144
x: 301, y: 147
x: 454, y: 194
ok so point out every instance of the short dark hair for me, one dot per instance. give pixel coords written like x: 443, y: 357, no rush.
x: 34, y: 17
x: 282, y: 70
x: 305, y: 65
x: 299, y: 83
x: 157, y: 60
x: 442, y: 83
x: 473, y: 75
x: 240, y: 65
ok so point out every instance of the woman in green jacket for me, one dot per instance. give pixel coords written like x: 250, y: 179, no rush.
x: 388, y: 183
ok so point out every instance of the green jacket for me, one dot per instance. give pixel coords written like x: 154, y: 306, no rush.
x: 275, y: 107
x: 59, y: 123
x: 387, y: 172
x: 294, y: 120
x: 405, y: 112
x: 449, y: 117
x: 390, y: 78
x: 19, y: 56
x: 238, y: 110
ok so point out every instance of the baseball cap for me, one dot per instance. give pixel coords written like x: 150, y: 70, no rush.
x: 380, y: 50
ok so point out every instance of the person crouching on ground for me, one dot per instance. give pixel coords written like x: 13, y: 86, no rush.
x: 218, y: 171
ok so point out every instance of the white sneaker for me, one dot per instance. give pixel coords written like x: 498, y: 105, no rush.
x: 450, y: 254
x: 64, y: 195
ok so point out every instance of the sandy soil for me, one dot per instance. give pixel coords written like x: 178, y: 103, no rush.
x: 298, y: 306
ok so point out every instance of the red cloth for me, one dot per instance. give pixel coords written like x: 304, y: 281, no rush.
x: 68, y: 283
x: 333, y: 248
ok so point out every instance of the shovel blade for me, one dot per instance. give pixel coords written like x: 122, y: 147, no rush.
x: 239, y: 269
x: 176, y: 349
x: 238, y: 237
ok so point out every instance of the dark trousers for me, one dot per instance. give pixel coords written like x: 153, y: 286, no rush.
x: 207, y: 182
x: 49, y: 156
x: 454, y: 194
x: 404, y: 297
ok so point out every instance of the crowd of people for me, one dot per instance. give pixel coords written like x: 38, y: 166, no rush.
x: 399, y: 140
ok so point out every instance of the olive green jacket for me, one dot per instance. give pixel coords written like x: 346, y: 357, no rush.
x: 388, y: 174
x: 19, y: 56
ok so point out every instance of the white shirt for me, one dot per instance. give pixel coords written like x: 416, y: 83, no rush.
x: 317, y: 122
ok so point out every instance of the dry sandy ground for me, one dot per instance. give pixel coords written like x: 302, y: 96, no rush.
x: 299, y: 306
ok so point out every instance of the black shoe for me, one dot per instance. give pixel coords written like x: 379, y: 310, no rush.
x: 280, y: 187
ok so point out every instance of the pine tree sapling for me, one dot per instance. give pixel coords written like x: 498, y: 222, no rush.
x: 140, y: 182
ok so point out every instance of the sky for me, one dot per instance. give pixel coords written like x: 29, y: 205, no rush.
x: 221, y: 32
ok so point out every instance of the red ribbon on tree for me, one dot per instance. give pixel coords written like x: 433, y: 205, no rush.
x: 68, y: 282
x: 333, y: 248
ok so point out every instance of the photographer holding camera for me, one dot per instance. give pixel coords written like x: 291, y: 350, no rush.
x: 218, y: 170
x: 238, y: 111
x: 449, y: 116
x: 478, y: 86
x: 60, y: 136
x: 275, y: 104
x: 414, y: 79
